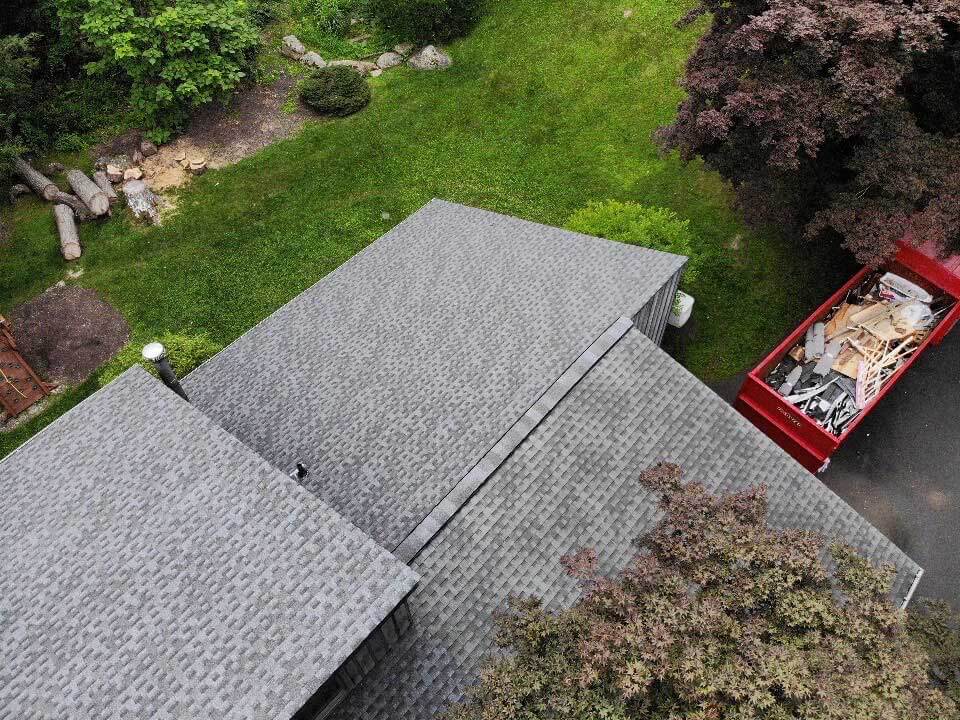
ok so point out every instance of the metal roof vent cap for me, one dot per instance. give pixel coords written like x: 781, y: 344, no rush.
x: 157, y: 354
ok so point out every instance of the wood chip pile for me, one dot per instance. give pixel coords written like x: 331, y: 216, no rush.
x: 848, y: 357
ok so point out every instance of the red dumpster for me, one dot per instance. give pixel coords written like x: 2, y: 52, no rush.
x: 790, y: 422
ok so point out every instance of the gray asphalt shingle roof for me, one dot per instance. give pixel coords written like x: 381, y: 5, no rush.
x: 152, y: 566
x: 394, y: 374
x: 571, y: 484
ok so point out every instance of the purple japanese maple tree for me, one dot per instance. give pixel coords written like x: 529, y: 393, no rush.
x: 840, y: 117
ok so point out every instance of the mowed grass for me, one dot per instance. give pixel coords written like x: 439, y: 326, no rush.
x: 549, y: 105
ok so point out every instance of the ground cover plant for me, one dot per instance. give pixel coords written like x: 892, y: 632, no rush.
x: 718, y: 617
x: 535, y: 128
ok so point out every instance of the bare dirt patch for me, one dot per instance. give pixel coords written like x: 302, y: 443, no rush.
x: 224, y: 135
x: 68, y: 332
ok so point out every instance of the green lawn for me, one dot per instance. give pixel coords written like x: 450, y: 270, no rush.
x: 550, y: 104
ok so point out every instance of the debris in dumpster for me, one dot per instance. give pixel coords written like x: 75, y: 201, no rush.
x: 846, y: 358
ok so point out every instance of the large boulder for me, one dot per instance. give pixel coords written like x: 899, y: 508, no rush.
x: 389, y: 60
x: 148, y: 149
x: 430, y: 58
x: 361, y: 66
x: 292, y: 47
x: 312, y: 59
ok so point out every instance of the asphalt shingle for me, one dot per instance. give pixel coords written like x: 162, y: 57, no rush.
x: 572, y: 483
x: 151, y: 566
x: 394, y: 374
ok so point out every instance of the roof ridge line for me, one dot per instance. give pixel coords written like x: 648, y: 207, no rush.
x: 458, y: 496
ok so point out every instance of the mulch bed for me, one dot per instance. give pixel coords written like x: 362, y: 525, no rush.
x: 68, y: 332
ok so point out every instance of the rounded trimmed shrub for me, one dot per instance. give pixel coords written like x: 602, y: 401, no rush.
x: 339, y: 90
x: 634, y: 224
x: 423, y: 21
x: 186, y: 353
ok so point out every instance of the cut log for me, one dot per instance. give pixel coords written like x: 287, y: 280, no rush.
x: 103, y: 182
x: 79, y: 208
x: 69, y: 240
x: 87, y: 190
x: 39, y: 183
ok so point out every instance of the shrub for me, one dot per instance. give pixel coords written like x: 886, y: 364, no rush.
x: 332, y: 16
x: 177, y: 54
x: 719, y: 616
x: 634, y: 224
x: 17, y: 65
x: 338, y: 90
x: 186, y: 353
x: 264, y: 12
x: 423, y: 21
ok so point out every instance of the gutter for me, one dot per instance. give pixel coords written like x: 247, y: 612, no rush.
x: 916, y: 581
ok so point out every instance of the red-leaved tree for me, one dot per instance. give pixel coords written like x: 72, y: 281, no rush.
x: 719, y: 617
x: 840, y: 117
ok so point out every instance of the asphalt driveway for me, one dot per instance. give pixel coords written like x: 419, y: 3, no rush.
x: 901, y: 467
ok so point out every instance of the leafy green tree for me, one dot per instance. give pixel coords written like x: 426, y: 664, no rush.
x: 178, y: 54
x: 719, y: 617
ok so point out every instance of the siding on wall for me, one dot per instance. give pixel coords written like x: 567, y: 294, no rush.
x: 651, y: 320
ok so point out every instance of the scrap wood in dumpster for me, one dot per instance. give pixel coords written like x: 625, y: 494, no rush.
x: 847, y: 357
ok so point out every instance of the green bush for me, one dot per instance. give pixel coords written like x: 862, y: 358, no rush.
x: 634, y: 224
x: 177, y: 55
x: 264, y: 12
x: 423, y: 21
x: 186, y: 353
x: 17, y: 65
x: 338, y: 90
x: 332, y: 16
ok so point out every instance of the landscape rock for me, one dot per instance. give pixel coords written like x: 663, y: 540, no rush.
x: 141, y: 201
x: 403, y: 49
x: 312, y: 59
x: 137, y: 157
x: 55, y: 168
x: 430, y: 58
x: 114, y: 173
x: 376, y: 73
x: 292, y: 47
x: 119, y: 161
x: 132, y: 174
x: 361, y: 66
x: 389, y: 60
x: 197, y: 166
x: 17, y: 190
x: 148, y: 149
